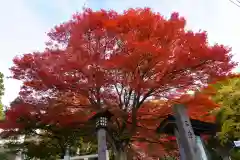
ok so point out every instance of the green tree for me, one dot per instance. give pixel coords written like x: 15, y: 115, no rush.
x: 1, y: 94
x: 45, y: 148
x: 228, y: 115
x: 3, y: 156
x: 227, y: 95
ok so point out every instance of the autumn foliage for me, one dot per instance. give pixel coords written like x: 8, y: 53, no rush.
x: 121, y: 62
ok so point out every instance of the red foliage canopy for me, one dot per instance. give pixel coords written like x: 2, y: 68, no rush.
x: 120, y: 61
x: 54, y: 112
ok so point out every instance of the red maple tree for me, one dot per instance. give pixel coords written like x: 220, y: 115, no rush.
x: 52, y: 120
x: 120, y: 62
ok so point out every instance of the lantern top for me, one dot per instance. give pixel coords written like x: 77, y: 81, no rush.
x: 102, y: 113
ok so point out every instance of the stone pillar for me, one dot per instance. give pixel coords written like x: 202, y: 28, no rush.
x: 102, y: 144
x: 186, y: 135
x: 67, y: 155
x: 181, y: 149
x: 202, y: 148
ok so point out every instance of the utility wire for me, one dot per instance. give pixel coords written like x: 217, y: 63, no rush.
x: 235, y: 2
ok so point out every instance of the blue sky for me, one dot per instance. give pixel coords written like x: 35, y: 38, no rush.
x: 24, y: 23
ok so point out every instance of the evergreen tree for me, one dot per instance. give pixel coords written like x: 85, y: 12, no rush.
x: 1, y: 94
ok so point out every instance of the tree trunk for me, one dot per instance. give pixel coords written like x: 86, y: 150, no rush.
x: 120, y: 155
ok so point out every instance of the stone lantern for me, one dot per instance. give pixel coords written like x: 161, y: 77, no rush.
x: 101, y: 119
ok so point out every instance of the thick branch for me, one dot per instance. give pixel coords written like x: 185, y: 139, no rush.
x: 145, y: 97
x: 119, y: 95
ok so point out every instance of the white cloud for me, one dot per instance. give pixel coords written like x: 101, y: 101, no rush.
x: 20, y: 32
x: 23, y: 30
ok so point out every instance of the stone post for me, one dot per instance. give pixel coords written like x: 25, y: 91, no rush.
x: 102, y: 144
x: 67, y: 155
x: 186, y: 135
